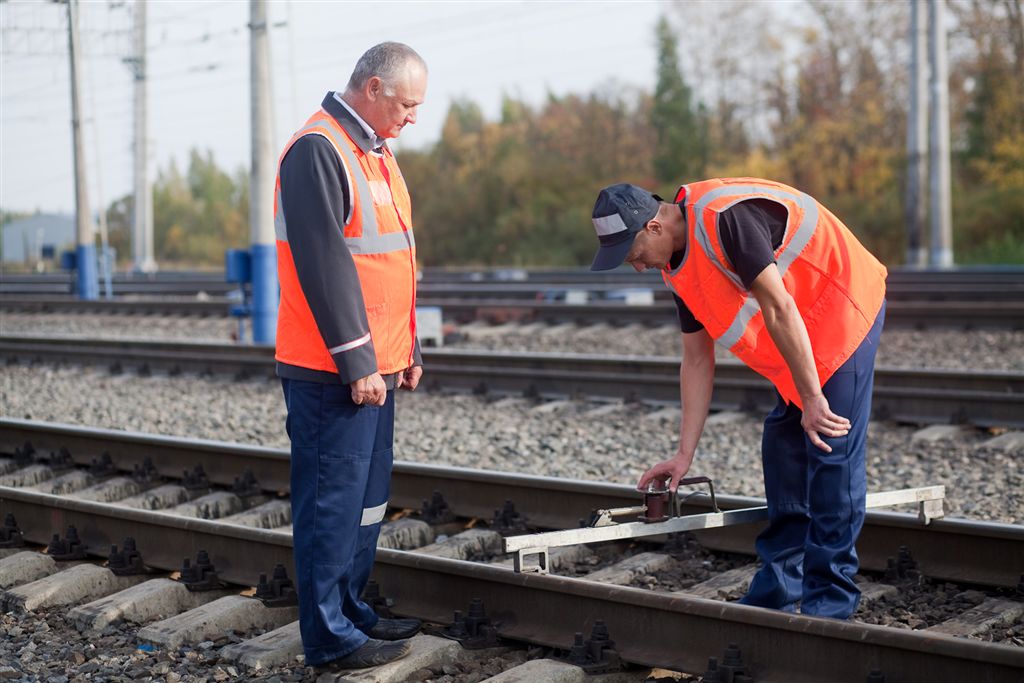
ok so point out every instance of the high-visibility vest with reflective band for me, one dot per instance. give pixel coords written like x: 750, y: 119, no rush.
x: 838, y: 286
x: 378, y: 233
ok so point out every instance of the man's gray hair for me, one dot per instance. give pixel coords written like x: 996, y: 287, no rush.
x: 386, y: 61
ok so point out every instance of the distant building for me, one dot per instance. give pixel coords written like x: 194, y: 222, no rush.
x: 23, y: 238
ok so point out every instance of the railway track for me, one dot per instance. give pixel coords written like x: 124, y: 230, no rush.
x: 962, y: 284
x: 463, y: 305
x: 677, y: 631
x: 984, y: 399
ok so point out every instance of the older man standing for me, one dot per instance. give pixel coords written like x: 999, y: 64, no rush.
x: 346, y: 338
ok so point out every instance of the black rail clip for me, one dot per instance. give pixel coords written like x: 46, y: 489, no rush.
x: 381, y: 604
x: 145, y: 473
x: 195, y: 479
x: 127, y: 561
x: 10, y: 533
x: 102, y: 467
x: 507, y: 521
x: 246, y: 486
x: 25, y: 456
x: 597, y: 655
x: 732, y: 668
x: 436, y: 510
x: 902, y: 568
x: 61, y: 460
x: 279, y: 591
x: 474, y: 630
x: 68, y: 548
x: 201, y: 576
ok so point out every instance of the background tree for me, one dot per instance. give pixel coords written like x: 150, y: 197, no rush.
x: 680, y: 153
x: 813, y: 94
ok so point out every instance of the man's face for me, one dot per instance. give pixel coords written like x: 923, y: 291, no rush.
x: 652, y: 248
x: 391, y: 108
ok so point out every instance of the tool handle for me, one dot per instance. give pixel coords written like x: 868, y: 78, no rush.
x: 690, y: 481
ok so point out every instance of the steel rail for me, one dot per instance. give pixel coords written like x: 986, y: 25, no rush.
x: 164, y: 305
x: 993, y: 276
x: 987, y: 399
x: 467, y: 305
x: 986, y: 553
x: 672, y: 631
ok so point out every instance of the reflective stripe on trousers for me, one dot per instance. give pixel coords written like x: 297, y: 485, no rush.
x: 816, y: 499
x: 341, y: 459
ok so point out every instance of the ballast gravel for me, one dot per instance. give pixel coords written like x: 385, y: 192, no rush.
x: 574, y: 439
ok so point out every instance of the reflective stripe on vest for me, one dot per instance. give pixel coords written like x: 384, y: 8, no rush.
x: 371, y: 241
x: 837, y: 285
x: 784, y: 259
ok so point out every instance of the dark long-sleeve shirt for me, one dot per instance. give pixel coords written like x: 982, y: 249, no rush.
x: 316, y: 204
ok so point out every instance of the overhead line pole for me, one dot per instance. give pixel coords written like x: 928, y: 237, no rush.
x: 915, y: 209
x: 85, y: 254
x: 941, y: 199
x: 142, y: 216
x: 261, y: 189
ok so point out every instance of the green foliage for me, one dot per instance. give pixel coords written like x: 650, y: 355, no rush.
x: 990, y: 225
x: 679, y: 131
x: 828, y: 118
x: 519, y: 190
x: 196, y: 216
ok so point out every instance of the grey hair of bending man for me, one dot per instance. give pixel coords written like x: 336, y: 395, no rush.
x: 386, y: 61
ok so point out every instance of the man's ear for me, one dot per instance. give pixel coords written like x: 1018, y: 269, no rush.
x: 374, y: 87
x: 654, y: 226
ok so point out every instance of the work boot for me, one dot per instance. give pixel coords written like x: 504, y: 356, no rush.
x: 394, y: 629
x: 371, y: 653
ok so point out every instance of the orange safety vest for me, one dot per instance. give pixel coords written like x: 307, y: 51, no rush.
x: 378, y: 233
x: 838, y: 286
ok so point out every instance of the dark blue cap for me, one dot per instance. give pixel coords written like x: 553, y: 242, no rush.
x: 620, y: 212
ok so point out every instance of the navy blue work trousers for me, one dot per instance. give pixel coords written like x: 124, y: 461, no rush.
x: 816, y: 499
x: 340, y: 479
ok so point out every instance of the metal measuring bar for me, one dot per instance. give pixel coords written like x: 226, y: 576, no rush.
x: 603, y: 528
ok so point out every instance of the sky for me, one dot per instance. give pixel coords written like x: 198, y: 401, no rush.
x: 199, y: 75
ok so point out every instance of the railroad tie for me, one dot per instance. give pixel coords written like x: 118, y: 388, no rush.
x: 407, y: 533
x: 625, y: 572
x: 729, y: 585
x: 67, y: 587
x: 270, y: 515
x: 141, y: 603
x: 279, y: 647
x: 981, y: 618
x: 212, y: 619
x: 472, y: 543
x: 111, y: 490
x: 427, y: 652
x: 25, y: 566
x: 27, y: 476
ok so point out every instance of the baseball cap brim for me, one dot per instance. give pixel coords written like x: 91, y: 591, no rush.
x: 610, y: 256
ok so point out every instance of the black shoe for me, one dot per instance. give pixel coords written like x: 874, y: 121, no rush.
x: 371, y: 653
x: 394, y: 629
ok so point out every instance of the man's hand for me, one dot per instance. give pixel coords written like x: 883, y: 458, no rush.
x: 409, y: 378
x: 369, y: 390
x: 675, y: 469
x: 819, y: 419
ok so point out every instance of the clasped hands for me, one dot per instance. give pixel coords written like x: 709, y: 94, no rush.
x: 372, y: 391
